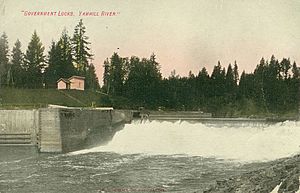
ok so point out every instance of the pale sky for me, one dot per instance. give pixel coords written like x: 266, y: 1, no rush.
x: 185, y: 35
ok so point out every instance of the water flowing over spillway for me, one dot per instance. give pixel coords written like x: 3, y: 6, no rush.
x: 245, y: 142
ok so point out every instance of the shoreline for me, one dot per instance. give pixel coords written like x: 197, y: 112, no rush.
x: 282, y: 174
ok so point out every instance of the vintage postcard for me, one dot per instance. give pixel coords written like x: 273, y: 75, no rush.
x: 106, y: 96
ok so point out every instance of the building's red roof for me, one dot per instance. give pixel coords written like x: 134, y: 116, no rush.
x: 64, y: 80
x: 69, y: 79
x: 77, y: 77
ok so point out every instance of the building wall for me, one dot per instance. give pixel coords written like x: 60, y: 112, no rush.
x: 61, y: 85
x: 77, y: 84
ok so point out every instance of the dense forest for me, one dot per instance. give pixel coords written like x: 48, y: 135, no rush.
x: 133, y: 82
x: 33, y: 69
x: 271, y: 89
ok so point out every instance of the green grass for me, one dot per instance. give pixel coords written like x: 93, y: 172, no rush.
x: 36, y: 98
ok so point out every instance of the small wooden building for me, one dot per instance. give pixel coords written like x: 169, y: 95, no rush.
x: 74, y: 82
x: 63, y: 84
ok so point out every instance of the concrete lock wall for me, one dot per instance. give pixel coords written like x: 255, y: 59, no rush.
x: 77, y: 125
x: 64, y: 130
x: 122, y: 116
x: 49, y: 131
x: 19, y: 122
x: 60, y: 129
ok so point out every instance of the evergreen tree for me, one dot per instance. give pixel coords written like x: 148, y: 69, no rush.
x: 259, y: 79
x: 170, y: 90
x: 106, y: 76
x: 65, y: 50
x: 272, y: 85
x: 285, y: 66
x: 52, y: 72
x: 218, y: 80
x: 229, y: 75
x: 174, y: 75
x: 34, y: 62
x: 143, y: 82
x: 154, y: 79
x: 191, y: 75
x: 230, y: 84
x: 81, y: 49
x: 235, y: 73
x: 217, y: 98
x: 243, y: 86
x: 82, y: 55
x: 294, y: 87
x: 92, y: 81
x: 17, y: 62
x: 203, y: 87
x: 246, y: 86
x: 4, y: 60
x: 216, y: 73
x: 60, y: 63
x: 117, y: 75
x: 295, y: 71
x: 273, y: 69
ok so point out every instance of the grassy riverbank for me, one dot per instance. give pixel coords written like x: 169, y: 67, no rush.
x: 35, y: 98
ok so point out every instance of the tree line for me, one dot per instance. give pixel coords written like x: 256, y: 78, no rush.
x: 271, y: 88
x: 134, y: 82
x: 33, y: 69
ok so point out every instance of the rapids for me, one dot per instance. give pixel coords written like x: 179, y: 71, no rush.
x: 244, y: 142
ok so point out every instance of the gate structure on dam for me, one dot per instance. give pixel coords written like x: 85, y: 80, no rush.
x: 59, y: 129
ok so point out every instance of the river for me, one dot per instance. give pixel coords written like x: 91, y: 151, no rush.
x: 151, y: 157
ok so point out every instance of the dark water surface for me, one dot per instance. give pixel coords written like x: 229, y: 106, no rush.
x: 24, y: 171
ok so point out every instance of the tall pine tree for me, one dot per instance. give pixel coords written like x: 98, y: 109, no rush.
x: 235, y: 73
x: 81, y: 49
x: 60, y: 63
x: 4, y: 54
x: 295, y: 71
x: 82, y: 55
x: 92, y: 81
x: 34, y: 62
x: 17, y: 63
x: 106, y: 76
x: 65, y: 50
x: 52, y: 72
x: 230, y: 84
x: 116, y: 79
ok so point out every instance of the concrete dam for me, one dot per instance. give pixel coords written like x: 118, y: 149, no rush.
x: 59, y: 130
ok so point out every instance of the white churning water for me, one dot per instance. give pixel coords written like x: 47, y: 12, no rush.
x: 241, y: 143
